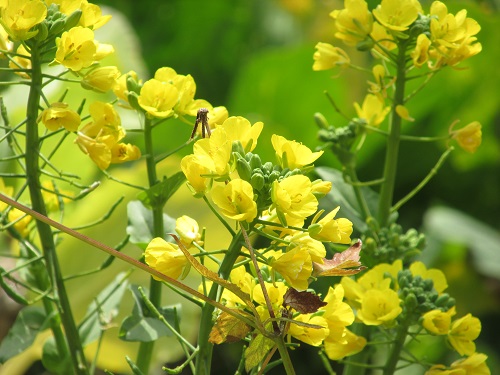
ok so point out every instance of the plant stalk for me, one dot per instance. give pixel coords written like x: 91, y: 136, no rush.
x: 391, y: 155
x: 145, y: 352
x: 74, y: 347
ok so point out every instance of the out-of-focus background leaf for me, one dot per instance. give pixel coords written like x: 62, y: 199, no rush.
x: 255, y: 58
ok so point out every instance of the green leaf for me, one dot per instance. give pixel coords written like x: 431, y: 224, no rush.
x: 142, y: 326
x: 52, y: 360
x: 342, y: 194
x: 103, y: 309
x: 140, y: 224
x: 30, y: 321
x: 256, y: 351
x: 160, y: 193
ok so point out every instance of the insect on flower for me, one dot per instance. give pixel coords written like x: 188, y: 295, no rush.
x: 201, y: 118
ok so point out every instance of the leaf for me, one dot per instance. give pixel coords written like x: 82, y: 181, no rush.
x: 342, y: 264
x: 52, y: 360
x: 103, y: 309
x: 228, y: 328
x: 257, y: 350
x: 29, y: 322
x: 160, y: 193
x: 140, y: 224
x: 304, y: 302
x: 141, y: 326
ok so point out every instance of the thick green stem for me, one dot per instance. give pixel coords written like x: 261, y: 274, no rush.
x: 397, y: 347
x: 204, y: 358
x: 391, y: 155
x: 145, y: 352
x: 285, y: 356
x: 74, y: 346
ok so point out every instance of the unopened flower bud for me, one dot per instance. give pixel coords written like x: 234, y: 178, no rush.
x: 101, y: 79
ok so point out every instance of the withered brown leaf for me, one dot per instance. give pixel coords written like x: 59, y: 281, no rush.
x: 304, y: 302
x: 342, y: 264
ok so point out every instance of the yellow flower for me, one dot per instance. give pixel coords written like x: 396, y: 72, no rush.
x: 101, y: 79
x: 437, y: 276
x: 315, y: 248
x: 468, y: 137
x: 372, y: 110
x: 348, y: 344
x: 462, y: 334
x: 295, y: 266
x: 58, y: 115
x: 236, y: 200
x: 99, y: 152
x: 293, y: 196
x: 194, y: 169
x: 120, y: 86
x: 379, y: 307
x: 321, y: 188
x: 311, y: 336
x: 165, y: 257
x: 5, y: 190
x: 438, y: 322
x: 19, y: 16
x: 122, y: 152
x: 21, y: 220
x: 188, y: 230
x: 5, y: 43
x: 354, y: 22
x: 337, y: 231
x: 275, y: 291
x: 397, y: 15
x: 328, y: 57
x: 420, y: 54
x: 291, y: 154
x: 239, y: 129
x: 217, y: 115
x: 158, y: 98
x: 21, y: 61
x: 50, y: 198
x: 403, y: 112
x: 76, y: 48
x: 475, y: 364
x: 214, y: 152
x: 383, y: 38
x: 92, y: 16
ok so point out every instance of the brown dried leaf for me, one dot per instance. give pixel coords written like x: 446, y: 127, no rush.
x: 303, y: 302
x: 228, y: 328
x: 342, y: 264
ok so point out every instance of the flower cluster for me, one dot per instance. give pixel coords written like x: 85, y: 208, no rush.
x: 388, y: 296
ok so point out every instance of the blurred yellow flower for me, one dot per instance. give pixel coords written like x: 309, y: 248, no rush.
x: 291, y: 154
x: 336, y: 231
x: 403, y: 112
x: 101, y: 79
x: 188, y: 230
x: 236, y: 200
x: 5, y: 190
x: 5, y: 43
x: 19, y: 16
x: 372, y: 109
x: 21, y: 61
x: 420, y: 55
x: 437, y: 276
x: 76, y: 48
x: 311, y: 336
x: 58, y: 115
x: 122, y: 152
x: 354, y: 22
x: 328, y: 57
x: 438, y: 322
x: 468, y: 137
x: 348, y: 344
x: 165, y: 257
x: 397, y: 15
x: 21, y: 221
x: 194, y: 170
x: 462, y: 334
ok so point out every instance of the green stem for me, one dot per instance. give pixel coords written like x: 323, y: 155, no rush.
x: 204, y: 358
x: 391, y: 156
x: 285, y: 356
x: 397, y: 347
x: 74, y: 345
x: 145, y: 352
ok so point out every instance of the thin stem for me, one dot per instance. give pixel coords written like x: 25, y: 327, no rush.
x: 74, y: 348
x: 145, y: 352
x: 285, y: 356
x: 424, y: 182
x: 391, y: 156
x: 397, y: 347
x: 204, y: 358
x: 354, y: 181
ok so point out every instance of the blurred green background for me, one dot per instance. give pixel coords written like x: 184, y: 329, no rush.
x: 255, y: 58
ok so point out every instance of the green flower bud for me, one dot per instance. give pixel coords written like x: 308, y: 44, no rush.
x: 73, y: 19
x: 43, y: 31
x: 321, y: 121
x: 314, y: 229
x: 426, y: 306
x: 133, y: 100
x: 237, y: 147
x: 428, y: 285
x: 133, y: 85
x: 257, y: 180
x: 255, y: 162
x: 451, y: 303
x: 411, y: 302
x: 442, y: 300
x: 273, y: 176
x: 57, y: 26
x: 365, y: 45
x: 268, y: 166
x: 243, y: 169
